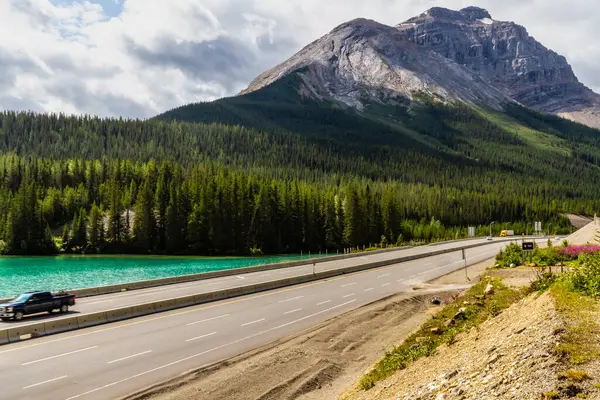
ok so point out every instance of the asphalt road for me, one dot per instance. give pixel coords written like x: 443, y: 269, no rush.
x: 135, y: 297
x: 114, y: 360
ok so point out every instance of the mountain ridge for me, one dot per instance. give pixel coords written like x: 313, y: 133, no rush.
x: 506, y: 56
x: 487, y: 63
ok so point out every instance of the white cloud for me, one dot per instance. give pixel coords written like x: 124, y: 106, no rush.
x: 160, y: 54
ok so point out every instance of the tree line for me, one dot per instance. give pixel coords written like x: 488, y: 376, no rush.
x: 154, y: 207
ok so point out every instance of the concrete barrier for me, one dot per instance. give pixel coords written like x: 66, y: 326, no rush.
x: 92, y: 319
x: 142, y: 309
x: 25, y: 332
x: 165, y: 305
x: 185, y: 301
x: 119, y: 314
x: 4, y: 336
x: 61, y: 325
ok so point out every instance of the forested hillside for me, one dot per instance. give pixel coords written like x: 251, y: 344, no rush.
x: 300, y: 175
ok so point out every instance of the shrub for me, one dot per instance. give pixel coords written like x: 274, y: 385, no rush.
x: 513, y: 254
x: 585, y: 277
x: 574, y: 375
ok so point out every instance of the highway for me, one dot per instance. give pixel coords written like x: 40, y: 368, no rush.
x: 114, y: 360
x: 141, y: 296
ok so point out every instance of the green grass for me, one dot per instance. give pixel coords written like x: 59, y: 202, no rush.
x: 578, y: 344
x: 574, y: 375
x: 534, y: 138
x: 424, y: 342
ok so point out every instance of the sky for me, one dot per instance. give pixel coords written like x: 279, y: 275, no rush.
x: 138, y: 58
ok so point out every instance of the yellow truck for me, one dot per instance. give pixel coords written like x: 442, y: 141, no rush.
x: 506, y: 233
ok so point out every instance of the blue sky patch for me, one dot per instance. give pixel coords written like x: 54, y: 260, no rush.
x: 112, y: 8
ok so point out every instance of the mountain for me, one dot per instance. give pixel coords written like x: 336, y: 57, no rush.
x: 504, y: 55
x: 453, y: 55
x: 362, y: 62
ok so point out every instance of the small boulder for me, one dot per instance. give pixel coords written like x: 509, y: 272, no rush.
x: 489, y: 289
x: 513, y: 266
x: 436, y: 300
x: 436, y: 331
x: 459, y: 315
x: 449, y: 323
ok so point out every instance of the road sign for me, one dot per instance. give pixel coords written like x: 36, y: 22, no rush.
x: 527, y: 246
x: 471, y: 231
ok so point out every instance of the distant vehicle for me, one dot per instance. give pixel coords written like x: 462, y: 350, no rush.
x: 506, y: 233
x: 489, y: 238
x: 34, y: 303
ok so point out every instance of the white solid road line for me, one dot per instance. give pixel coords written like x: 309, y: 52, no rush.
x: 208, y: 351
x: 348, y: 284
x: 254, y: 322
x: 324, y: 302
x: 292, y: 299
x: 201, y: 337
x: 385, y: 284
x: 349, y: 295
x: 208, y: 319
x: 383, y: 276
x: 48, y: 381
x: 293, y: 311
x: 59, y: 355
x: 369, y: 289
x: 128, y: 357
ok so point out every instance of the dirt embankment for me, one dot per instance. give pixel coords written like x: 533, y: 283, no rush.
x: 508, y: 357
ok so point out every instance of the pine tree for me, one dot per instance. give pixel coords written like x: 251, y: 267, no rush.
x: 144, y: 225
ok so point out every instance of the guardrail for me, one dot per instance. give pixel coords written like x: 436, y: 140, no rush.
x: 24, y: 332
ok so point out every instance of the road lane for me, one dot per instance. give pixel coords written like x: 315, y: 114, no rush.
x: 158, y: 347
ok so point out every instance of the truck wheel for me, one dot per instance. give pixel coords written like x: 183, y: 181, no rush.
x: 64, y: 308
x: 18, y: 316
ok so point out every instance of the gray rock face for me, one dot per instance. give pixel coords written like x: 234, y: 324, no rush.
x: 364, y: 61
x: 505, y: 56
x: 460, y: 55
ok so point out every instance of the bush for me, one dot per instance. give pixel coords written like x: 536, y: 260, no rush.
x: 585, y: 276
x: 256, y: 251
x: 513, y: 254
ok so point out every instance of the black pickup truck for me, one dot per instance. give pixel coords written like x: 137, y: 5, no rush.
x: 34, y: 303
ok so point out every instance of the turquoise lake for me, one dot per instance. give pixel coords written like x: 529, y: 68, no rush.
x: 21, y: 274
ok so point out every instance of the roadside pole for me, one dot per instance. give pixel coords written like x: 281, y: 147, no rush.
x: 464, y: 257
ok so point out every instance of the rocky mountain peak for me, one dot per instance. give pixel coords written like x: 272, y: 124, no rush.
x: 475, y: 13
x: 464, y: 16
x: 508, y: 58
x: 363, y: 62
x: 454, y: 55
